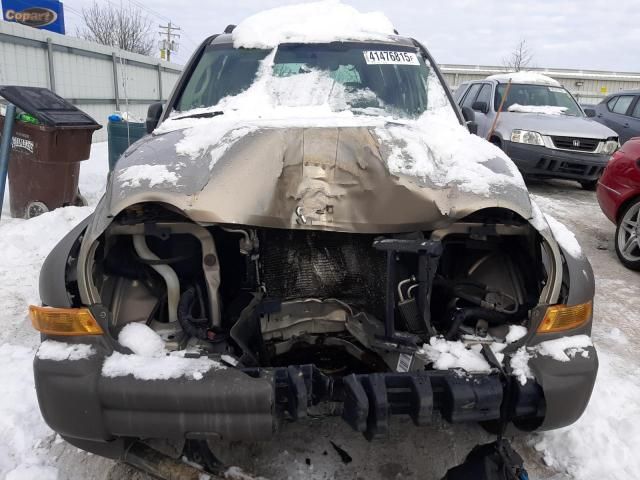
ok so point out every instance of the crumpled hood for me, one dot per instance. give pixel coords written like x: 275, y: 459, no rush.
x: 343, y: 179
x: 560, y: 125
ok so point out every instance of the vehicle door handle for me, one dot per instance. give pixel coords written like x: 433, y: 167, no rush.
x: 599, y: 115
x: 626, y: 125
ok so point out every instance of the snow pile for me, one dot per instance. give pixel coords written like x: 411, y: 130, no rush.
x: 604, y: 442
x: 565, y: 348
x: 236, y: 473
x: 311, y: 99
x: 141, y: 340
x: 520, y: 365
x: 94, y: 172
x: 446, y: 154
x: 537, y: 217
x: 198, y: 139
x: 314, y: 22
x: 565, y: 237
x: 154, y: 174
x: 447, y: 354
x: 562, y: 349
x: 24, y: 434
x: 58, y: 351
x: 516, y: 332
x: 150, y: 361
x: 24, y: 244
x: 543, y: 109
x: 23, y: 247
x: 435, y: 147
x: 174, y: 365
x: 525, y: 77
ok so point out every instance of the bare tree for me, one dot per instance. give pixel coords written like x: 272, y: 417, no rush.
x: 520, y: 58
x: 126, y: 28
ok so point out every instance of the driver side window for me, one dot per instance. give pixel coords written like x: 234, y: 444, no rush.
x: 485, y: 94
x: 471, y: 95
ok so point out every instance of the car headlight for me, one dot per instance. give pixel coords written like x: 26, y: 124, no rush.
x: 526, y: 136
x: 610, y: 146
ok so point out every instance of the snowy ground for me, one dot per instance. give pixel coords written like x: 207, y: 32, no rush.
x: 602, y: 444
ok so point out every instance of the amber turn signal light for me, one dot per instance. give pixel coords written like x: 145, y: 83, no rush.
x: 64, y: 321
x: 560, y: 318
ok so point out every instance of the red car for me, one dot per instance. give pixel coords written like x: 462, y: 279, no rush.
x: 619, y: 197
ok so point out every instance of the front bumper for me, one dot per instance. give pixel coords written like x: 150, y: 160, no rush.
x: 541, y: 161
x: 84, y: 406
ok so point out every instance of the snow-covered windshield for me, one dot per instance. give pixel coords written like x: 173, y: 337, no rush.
x: 367, y: 78
x: 528, y: 95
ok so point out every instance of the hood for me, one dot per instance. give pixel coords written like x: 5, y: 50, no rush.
x: 384, y: 179
x: 557, y: 125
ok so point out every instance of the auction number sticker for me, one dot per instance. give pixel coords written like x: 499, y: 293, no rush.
x: 390, y: 57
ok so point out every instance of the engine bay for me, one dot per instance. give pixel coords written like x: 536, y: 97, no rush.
x: 347, y: 303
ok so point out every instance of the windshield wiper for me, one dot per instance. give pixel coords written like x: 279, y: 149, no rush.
x: 201, y: 115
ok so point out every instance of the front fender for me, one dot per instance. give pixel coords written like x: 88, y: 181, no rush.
x: 53, y: 275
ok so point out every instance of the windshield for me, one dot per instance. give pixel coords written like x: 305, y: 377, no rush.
x: 372, y: 79
x: 537, y: 96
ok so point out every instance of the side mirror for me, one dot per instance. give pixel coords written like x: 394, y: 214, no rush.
x: 153, y: 116
x: 590, y: 112
x: 469, y: 118
x: 480, y: 107
x: 468, y: 114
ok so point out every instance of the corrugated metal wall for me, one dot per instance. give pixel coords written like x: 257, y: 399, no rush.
x: 588, y: 86
x: 96, y: 78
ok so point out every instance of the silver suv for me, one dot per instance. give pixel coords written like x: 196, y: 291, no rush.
x: 541, y: 126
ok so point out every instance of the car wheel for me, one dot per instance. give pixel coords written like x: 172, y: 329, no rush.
x: 590, y: 185
x: 628, y: 236
x: 35, y: 209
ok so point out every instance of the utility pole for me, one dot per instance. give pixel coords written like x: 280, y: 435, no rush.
x: 168, y: 44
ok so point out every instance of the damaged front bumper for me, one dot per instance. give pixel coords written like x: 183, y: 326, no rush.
x: 80, y: 403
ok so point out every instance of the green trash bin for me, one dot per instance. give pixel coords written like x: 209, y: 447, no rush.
x: 122, y: 134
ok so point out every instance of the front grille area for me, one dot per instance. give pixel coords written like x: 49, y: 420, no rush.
x: 556, y: 166
x: 299, y: 264
x: 576, y: 143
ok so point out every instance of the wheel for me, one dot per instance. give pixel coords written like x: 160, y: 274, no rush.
x: 628, y: 236
x: 34, y: 209
x: 590, y: 185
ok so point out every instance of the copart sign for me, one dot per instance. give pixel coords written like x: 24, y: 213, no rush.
x: 41, y: 14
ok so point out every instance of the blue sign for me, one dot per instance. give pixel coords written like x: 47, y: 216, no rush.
x: 42, y: 14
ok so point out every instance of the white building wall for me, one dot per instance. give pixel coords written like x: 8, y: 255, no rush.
x: 588, y: 86
x: 83, y: 72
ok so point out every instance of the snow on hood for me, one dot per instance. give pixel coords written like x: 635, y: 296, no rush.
x: 562, y: 125
x: 524, y: 77
x: 291, y: 143
x: 435, y: 148
x: 544, y: 109
x: 315, y: 22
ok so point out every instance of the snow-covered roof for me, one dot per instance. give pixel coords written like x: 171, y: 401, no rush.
x: 316, y: 22
x: 524, y: 77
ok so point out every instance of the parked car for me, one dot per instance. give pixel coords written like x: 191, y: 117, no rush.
x: 619, y: 197
x: 310, y: 225
x: 541, y: 126
x: 620, y: 112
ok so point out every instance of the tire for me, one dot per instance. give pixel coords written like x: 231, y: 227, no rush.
x: 628, y: 236
x: 35, y: 209
x: 590, y: 185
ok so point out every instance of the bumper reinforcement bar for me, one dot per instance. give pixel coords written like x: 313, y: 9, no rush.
x: 369, y: 400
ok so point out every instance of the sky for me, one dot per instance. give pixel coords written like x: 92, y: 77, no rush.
x: 583, y: 34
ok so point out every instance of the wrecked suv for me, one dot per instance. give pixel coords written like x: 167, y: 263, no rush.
x: 309, y: 224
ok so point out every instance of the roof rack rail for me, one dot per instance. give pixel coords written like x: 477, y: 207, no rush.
x: 229, y: 28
